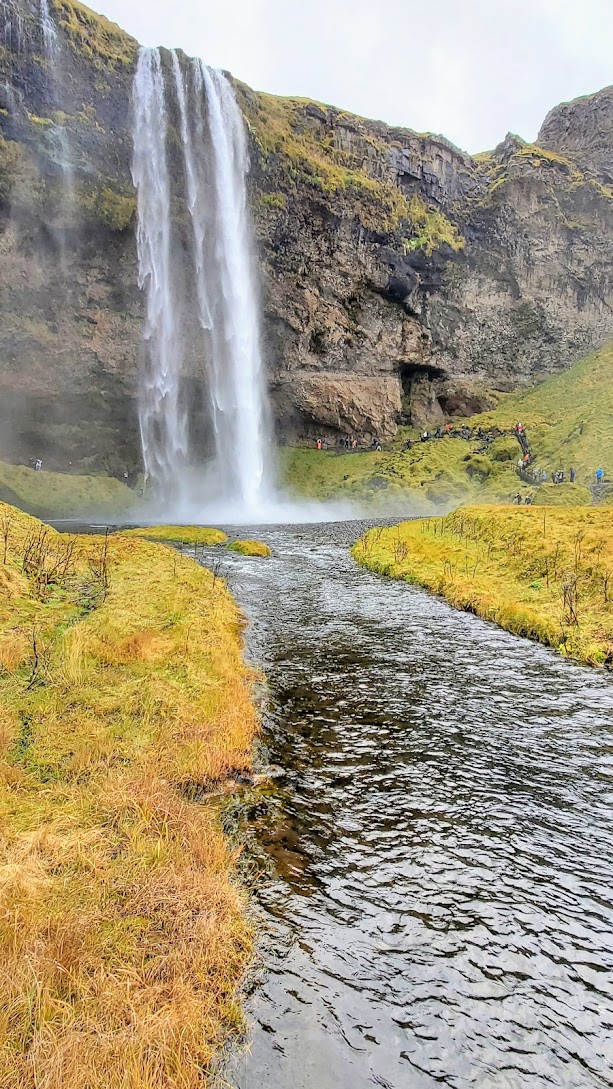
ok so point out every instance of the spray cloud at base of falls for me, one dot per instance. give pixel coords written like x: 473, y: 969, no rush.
x: 202, y: 310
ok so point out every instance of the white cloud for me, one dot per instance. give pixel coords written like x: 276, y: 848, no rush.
x: 471, y: 69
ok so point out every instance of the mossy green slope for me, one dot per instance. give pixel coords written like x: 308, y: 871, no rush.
x: 348, y: 177
x: 440, y: 473
x: 64, y: 495
x: 569, y: 417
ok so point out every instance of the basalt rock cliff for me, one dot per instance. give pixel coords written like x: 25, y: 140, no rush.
x: 402, y: 280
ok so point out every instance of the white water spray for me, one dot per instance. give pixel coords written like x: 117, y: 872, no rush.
x: 51, y: 46
x: 193, y: 150
x: 48, y: 29
x: 163, y: 424
x: 215, y: 159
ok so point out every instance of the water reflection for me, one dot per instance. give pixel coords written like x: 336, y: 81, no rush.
x: 440, y: 910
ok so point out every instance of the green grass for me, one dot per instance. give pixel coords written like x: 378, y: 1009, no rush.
x: 439, y: 473
x: 543, y: 573
x: 569, y: 417
x: 64, y: 495
x: 183, y: 534
x: 569, y: 421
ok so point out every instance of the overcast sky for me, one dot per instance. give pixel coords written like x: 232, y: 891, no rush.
x: 470, y: 69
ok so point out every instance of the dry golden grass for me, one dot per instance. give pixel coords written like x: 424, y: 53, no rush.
x: 122, y: 931
x: 546, y: 573
x: 184, y: 534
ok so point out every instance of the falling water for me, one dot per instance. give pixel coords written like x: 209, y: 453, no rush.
x: 196, y: 189
x: 215, y: 161
x: 51, y: 46
x: 163, y: 423
x: 48, y: 29
x: 237, y: 377
x: 12, y: 33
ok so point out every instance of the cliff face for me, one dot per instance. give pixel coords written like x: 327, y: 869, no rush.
x: 401, y: 279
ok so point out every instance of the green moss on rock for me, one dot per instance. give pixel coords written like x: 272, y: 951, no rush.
x: 95, y: 37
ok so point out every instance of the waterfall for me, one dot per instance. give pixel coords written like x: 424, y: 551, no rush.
x: 163, y: 425
x: 215, y: 165
x: 196, y: 190
x: 51, y: 47
x: 49, y: 31
x: 237, y: 373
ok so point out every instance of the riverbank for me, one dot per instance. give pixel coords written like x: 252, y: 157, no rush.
x: 122, y: 930
x: 542, y: 573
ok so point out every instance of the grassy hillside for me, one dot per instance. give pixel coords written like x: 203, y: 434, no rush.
x: 439, y: 473
x: 64, y: 495
x: 569, y: 421
x: 569, y: 417
x: 123, y: 693
x: 543, y: 573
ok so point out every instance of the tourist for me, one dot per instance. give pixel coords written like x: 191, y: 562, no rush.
x: 573, y: 476
x: 599, y: 476
x: 38, y: 465
x: 528, y: 500
x: 543, y: 477
x: 518, y: 499
x: 319, y: 444
x: 448, y: 429
x: 424, y: 436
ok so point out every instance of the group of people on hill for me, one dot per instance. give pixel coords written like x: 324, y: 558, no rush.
x: 540, y: 476
x: 348, y: 442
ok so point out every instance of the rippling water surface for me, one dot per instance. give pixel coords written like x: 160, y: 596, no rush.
x: 438, y: 908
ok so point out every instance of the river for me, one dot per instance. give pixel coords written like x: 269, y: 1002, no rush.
x: 437, y: 909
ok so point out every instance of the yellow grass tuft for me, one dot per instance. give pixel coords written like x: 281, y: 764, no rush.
x: 122, y: 931
x: 543, y: 573
x: 250, y: 548
x: 183, y: 534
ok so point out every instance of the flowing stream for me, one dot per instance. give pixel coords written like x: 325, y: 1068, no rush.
x: 435, y: 868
